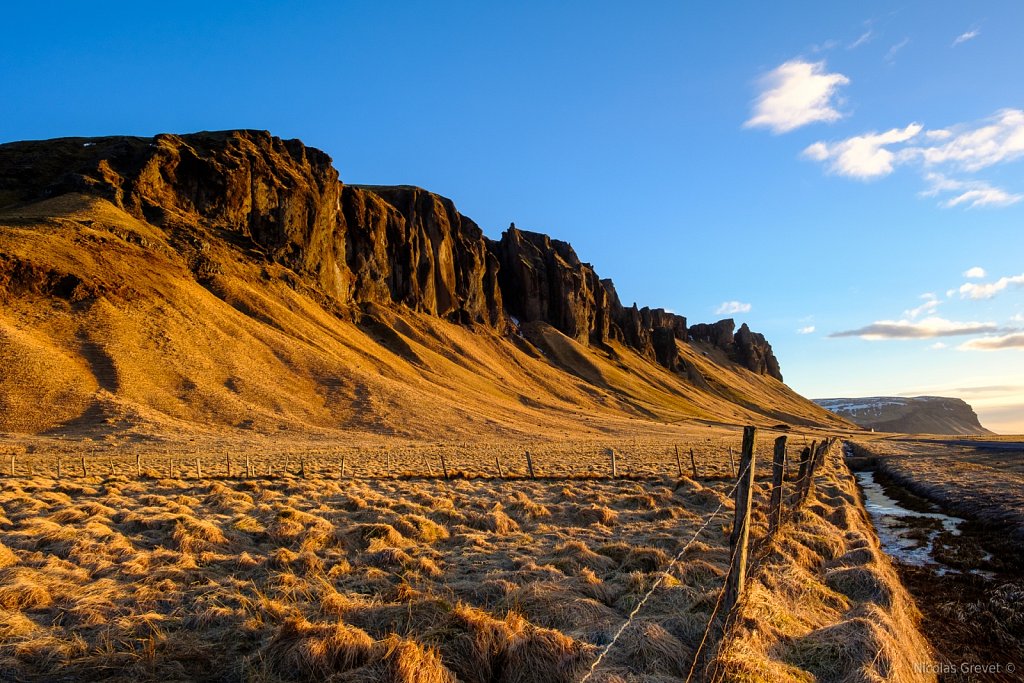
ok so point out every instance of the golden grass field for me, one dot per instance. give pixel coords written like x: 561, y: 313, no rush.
x: 413, y: 578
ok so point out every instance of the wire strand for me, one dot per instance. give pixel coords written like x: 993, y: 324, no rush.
x: 664, y: 574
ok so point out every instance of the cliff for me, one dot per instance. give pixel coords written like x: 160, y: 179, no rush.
x: 919, y: 415
x: 363, y: 244
x: 97, y: 230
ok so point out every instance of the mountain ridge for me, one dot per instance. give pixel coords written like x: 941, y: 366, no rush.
x: 95, y: 227
x: 908, y: 415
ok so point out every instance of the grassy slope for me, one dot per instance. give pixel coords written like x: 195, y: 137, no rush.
x: 142, y: 347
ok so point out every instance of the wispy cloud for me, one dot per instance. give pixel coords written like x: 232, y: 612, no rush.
x: 729, y: 307
x: 963, y: 148
x: 890, y: 56
x: 970, y: 193
x: 864, y: 38
x: 987, y: 290
x: 930, y: 304
x: 1014, y: 340
x: 796, y: 94
x: 937, y: 346
x: 863, y: 156
x: 975, y: 273
x: 973, y: 147
x: 967, y: 35
x: 926, y: 328
x: 806, y: 330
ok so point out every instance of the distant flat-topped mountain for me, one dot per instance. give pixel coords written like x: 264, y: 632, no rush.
x: 231, y: 280
x: 917, y: 415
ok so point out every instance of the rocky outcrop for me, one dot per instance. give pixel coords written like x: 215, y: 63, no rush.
x: 356, y: 244
x: 749, y: 349
x: 543, y: 280
x: 918, y: 415
x: 413, y: 247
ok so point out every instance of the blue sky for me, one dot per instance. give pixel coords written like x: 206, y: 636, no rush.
x: 827, y: 165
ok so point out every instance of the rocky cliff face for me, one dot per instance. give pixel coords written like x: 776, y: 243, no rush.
x: 749, y: 349
x: 357, y: 244
x: 919, y: 415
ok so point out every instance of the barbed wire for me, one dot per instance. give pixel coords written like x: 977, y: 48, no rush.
x: 664, y: 575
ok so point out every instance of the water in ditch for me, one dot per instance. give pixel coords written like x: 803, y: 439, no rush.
x: 912, y: 537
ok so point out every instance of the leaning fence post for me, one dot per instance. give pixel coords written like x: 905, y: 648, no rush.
x: 302, y: 466
x: 679, y: 463
x: 444, y: 465
x: 693, y: 464
x: 778, y: 470
x: 85, y: 471
x: 615, y: 464
x: 497, y: 463
x: 529, y: 465
x: 740, y: 535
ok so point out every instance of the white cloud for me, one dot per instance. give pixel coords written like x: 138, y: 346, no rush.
x: 1014, y: 340
x: 864, y: 38
x: 806, y: 330
x: 972, y: 147
x: 964, y: 37
x: 929, y: 306
x: 981, y: 197
x: 975, y: 273
x: 1018, y: 318
x: 971, y: 193
x: 925, y: 328
x: 937, y: 346
x: 863, y: 156
x: 729, y: 307
x: 987, y: 290
x: 795, y: 94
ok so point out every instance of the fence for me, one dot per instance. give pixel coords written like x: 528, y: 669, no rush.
x: 739, y: 539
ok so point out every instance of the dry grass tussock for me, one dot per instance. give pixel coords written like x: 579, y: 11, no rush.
x: 824, y: 602
x: 352, y: 580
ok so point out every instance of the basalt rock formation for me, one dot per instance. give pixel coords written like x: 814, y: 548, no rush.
x: 283, y: 202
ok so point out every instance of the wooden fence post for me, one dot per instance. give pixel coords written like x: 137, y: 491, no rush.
x: 778, y: 470
x: 58, y: 467
x: 740, y: 536
x: 227, y: 464
x: 138, y: 466
x: 199, y: 469
x: 85, y: 471
x: 12, y: 464
x: 615, y: 464
x: 302, y: 466
x: 803, y: 475
x: 679, y: 463
x: 693, y: 464
x: 342, y: 468
x: 529, y: 465
x: 389, y: 463
x: 732, y: 464
x: 444, y: 465
x: 497, y: 463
